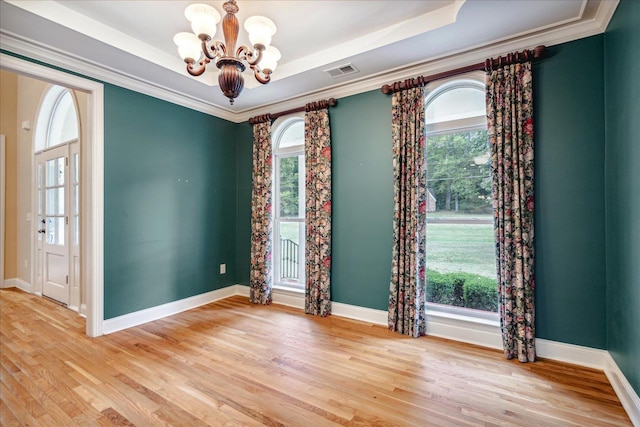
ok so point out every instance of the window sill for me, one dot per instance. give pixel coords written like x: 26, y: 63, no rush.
x: 289, y: 289
x: 453, y: 323
x: 463, y: 314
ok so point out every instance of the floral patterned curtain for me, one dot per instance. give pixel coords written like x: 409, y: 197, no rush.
x: 261, y: 219
x: 510, y: 122
x: 317, y: 138
x: 407, y: 296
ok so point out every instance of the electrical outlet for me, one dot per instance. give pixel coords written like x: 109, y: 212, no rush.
x: 223, y: 268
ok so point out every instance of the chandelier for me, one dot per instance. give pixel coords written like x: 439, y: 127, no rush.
x: 197, y: 49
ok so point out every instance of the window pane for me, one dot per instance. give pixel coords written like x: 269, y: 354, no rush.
x: 460, y: 240
x: 55, y: 230
x: 55, y: 201
x: 290, y: 252
x: 64, y: 121
x: 76, y: 199
x: 55, y: 172
x: 39, y: 175
x: 289, y: 187
x: 76, y: 166
x: 293, y: 135
x: 455, y: 104
x: 76, y: 230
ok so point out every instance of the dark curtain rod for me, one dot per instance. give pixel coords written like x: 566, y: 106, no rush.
x: 312, y: 106
x: 490, y: 64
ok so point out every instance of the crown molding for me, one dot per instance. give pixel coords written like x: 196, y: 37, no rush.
x: 49, y: 55
x: 548, y: 37
x: 544, y: 36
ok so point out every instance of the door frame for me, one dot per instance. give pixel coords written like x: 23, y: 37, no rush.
x: 92, y: 206
x: 3, y: 180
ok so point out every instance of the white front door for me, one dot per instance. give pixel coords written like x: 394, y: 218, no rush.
x: 52, y: 174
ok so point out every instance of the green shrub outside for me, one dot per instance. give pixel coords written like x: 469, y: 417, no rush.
x: 462, y: 290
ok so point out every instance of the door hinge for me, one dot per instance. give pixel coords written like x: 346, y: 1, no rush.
x: 66, y: 161
x: 66, y: 220
x: 67, y: 279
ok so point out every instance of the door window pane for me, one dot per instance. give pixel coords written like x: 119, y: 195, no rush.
x: 55, y: 201
x: 76, y: 230
x: 76, y: 200
x: 75, y: 168
x: 55, y: 172
x: 55, y: 230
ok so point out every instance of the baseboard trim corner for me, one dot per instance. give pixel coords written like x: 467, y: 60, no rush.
x: 18, y: 283
x: 627, y: 395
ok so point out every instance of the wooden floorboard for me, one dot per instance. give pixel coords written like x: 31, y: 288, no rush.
x: 233, y: 363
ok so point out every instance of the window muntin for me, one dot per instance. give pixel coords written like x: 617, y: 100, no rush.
x: 289, y: 202
x: 461, y: 275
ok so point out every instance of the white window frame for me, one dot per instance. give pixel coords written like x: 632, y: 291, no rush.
x: 279, y: 127
x: 473, y: 80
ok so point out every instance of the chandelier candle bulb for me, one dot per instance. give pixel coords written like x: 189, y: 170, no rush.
x: 203, y: 19
x: 261, y: 57
x: 260, y: 30
x: 270, y: 58
x: 189, y: 46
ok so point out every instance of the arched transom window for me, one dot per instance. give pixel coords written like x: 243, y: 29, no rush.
x: 57, y: 120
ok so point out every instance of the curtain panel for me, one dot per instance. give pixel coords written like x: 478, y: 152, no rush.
x: 407, y: 296
x: 318, y: 212
x: 261, y: 217
x: 510, y: 121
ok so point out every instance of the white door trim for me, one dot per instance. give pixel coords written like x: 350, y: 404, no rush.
x: 92, y: 206
x: 3, y: 180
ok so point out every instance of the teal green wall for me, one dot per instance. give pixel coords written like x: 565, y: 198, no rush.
x: 569, y: 215
x: 244, y: 166
x: 362, y: 184
x: 622, y: 83
x: 169, y: 203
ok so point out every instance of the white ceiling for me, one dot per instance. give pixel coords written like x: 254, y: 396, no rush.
x: 130, y: 43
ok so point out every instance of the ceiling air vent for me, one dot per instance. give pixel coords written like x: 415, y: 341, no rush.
x: 341, y: 70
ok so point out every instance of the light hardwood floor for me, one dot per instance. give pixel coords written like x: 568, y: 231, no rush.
x: 234, y: 363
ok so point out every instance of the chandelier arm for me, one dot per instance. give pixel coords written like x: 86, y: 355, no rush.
x: 256, y: 73
x: 252, y: 56
x: 197, y: 71
x: 217, y: 49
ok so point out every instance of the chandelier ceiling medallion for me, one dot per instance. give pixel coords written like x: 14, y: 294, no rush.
x: 261, y: 58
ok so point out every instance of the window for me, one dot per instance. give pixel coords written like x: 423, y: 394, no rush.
x: 289, y: 195
x: 58, y: 120
x: 461, y: 265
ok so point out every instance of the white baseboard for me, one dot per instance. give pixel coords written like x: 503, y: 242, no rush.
x: 296, y: 300
x: 369, y: 315
x: 158, y: 312
x: 18, y: 283
x: 570, y: 353
x: 627, y: 395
